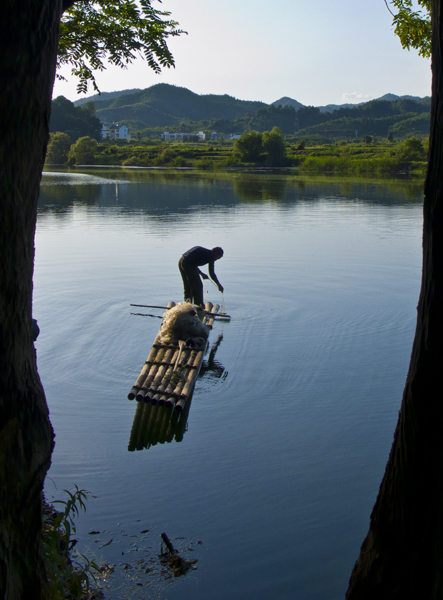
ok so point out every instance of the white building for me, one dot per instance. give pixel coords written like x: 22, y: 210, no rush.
x: 115, y: 132
x: 182, y: 137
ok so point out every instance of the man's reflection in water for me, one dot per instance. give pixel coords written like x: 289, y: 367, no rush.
x: 211, y: 368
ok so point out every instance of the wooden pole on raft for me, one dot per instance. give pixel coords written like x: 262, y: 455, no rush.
x: 190, y: 381
x: 148, y: 363
x: 221, y: 316
x: 168, y: 392
x: 209, y: 320
x: 159, y: 374
x: 143, y: 373
x: 150, y: 376
x: 167, y: 378
x: 175, y: 378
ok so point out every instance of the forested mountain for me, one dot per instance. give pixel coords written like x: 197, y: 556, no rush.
x: 283, y: 117
x: 402, y: 117
x: 286, y: 101
x: 105, y: 96
x: 165, y: 107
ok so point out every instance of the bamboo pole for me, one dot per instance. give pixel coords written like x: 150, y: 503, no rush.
x: 137, y: 385
x: 184, y: 376
x: 185, y: 391
x: 161, y: 390
x: 149, y: 374
x: 143, y: 391
x: 193, y: 374
x: 188, y: 387
x: 221, y: 316
x: 170, y: 401
x: 159, y: 374
x: 208, y: 307
x: 174, y: 379
x: 214, y: 311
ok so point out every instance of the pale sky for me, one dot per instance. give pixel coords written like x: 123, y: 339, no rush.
x: 316, y: 51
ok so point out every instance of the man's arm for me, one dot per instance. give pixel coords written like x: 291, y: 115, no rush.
x: 214, y: 277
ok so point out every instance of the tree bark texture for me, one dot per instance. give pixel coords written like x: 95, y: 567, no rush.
x: 402, y: 555
x: 29, y: 32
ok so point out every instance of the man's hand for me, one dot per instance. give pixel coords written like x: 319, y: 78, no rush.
x: 220, y: 288
x: 204, y: 276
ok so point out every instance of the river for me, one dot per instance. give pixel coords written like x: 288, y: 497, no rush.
x: 270, y: 480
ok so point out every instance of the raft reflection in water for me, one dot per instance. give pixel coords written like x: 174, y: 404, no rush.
x: 159, y: 424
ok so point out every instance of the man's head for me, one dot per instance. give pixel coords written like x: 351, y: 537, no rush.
x: 218, y: 252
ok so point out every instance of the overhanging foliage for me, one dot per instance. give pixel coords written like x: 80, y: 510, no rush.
x: 93, y: 32
x: 413, y: 27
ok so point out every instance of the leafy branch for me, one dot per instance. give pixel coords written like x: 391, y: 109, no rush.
x: 413, y: 27
x: 93, y: 32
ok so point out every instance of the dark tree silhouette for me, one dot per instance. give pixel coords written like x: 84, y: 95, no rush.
x: 28, y: 46
x: 29, y: 36
x: 402, y: 555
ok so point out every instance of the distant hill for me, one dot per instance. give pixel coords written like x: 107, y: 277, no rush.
x: 401, y: 117
x: 285, y: 101
x: 164, y: 105
x: 104, y: 96
x: 331, y: 107
x: 393, y: 98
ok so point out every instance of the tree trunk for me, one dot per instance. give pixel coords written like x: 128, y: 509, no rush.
x: 402, y: 555
x: 28, y: 46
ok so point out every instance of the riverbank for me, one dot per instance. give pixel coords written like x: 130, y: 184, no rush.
x: 370, y: 157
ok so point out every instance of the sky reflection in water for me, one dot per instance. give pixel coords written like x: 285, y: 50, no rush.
x: 280, y: 462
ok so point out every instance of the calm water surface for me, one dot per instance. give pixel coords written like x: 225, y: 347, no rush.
x: 271, y: 482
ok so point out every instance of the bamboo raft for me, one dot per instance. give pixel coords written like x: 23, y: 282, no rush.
x: 170, y: 371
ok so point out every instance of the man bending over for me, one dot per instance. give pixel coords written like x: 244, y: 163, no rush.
x: 189, y: 265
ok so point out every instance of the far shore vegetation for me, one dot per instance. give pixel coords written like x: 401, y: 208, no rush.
x: 377, y: 138
x: 266, y: 150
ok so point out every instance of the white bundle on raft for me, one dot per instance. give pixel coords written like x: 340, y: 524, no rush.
x: 181, y: 322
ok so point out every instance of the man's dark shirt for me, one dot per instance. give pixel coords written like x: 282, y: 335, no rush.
x: 199, y: 256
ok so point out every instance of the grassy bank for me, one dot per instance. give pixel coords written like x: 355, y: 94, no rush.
x: 377, y: 157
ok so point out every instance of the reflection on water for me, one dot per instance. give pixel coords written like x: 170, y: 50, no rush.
x: 211, y: 369
x: 285, y: 455
x: 159, y: 424
x: 170, y: 192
